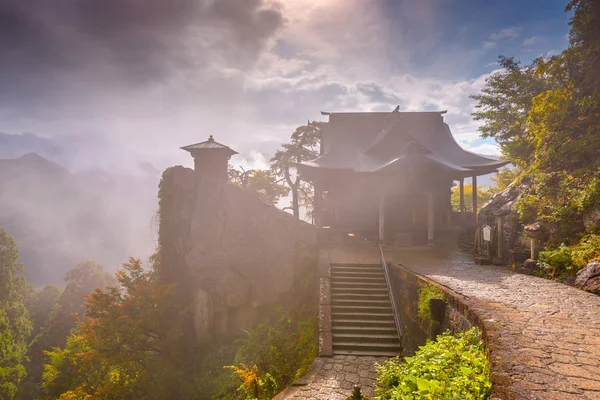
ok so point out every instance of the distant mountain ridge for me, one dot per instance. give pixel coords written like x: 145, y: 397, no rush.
x: 60, y: 218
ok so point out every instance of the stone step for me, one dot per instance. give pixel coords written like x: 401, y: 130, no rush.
x: 363, y: 316
x: 357, y: 323
x: 374, y: 279
x: 357, y: 284
x: 350, y: 272
x: 365, y: 338
x: 359, y: 330
x: 356, y: 266
x: 366, y: 353
x: 362, y: 302
x: 365, y: 346
x: 358, y: 290
x: 365, y: 271
x: 335, y: 308
x: 363, y: 296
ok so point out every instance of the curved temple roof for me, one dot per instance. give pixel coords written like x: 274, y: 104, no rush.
x: 208, y: 144
x: 383, y: 142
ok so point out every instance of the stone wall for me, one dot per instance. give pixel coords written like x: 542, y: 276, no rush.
x: 451, y: 314
x: 234, y: 259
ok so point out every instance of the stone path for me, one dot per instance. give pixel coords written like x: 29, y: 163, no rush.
x: 333, y: 378
x: 543, y: 336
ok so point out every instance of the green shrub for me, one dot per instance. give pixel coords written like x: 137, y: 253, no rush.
x: 557, y: 261
x: 452, y: 367
x: 587, y: 250
x: 568, y: 260
x: 427, y: 293
x: 274, y: 354
x: 214, y: 382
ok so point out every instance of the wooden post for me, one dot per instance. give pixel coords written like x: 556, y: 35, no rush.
x: 475, y: 197
x: 318, y: 211
x: 430, y: 218
x: 500, y: 237
x: 381, y: 217
x: 462, y: 194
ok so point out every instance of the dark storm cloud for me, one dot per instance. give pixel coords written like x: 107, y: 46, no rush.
x: 50, y: 48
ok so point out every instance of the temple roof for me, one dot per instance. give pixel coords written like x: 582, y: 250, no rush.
x: 383, y: 141
x: 209, y: 144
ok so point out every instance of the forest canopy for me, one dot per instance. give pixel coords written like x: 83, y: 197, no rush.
x: 546, y: 118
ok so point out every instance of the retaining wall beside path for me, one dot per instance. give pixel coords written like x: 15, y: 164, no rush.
x: 543, y: 336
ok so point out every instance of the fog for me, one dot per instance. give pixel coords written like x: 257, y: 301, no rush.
x: 111, y: 89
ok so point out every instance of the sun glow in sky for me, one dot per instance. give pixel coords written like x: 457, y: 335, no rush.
x: 142, y: 84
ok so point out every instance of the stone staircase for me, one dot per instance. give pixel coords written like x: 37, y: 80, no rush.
x: 361, y: 312
x: 466, y: 239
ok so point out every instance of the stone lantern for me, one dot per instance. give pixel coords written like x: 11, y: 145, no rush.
x: 536, y: 233
x: 210, y: 159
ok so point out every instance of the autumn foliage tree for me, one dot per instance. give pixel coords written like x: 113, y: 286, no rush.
x: 483, y: 195
x: 122, y: 349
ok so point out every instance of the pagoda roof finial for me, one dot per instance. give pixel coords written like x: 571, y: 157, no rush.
x: 210, y: 144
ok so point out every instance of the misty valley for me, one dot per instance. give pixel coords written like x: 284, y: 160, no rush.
x: 294, y: 200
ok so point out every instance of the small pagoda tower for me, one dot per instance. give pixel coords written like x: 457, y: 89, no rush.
x: 210, y: 158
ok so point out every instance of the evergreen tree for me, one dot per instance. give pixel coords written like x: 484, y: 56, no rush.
x: 304, y: 145
x: 15, y: 324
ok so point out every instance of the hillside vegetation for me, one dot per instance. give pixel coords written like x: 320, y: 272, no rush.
x: 546, y: 118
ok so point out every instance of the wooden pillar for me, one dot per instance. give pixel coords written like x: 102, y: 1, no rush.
x: 430, y: 218
x: 475, y: 197
x: 500, y: 237
x: 381, y: 217
x: 318, y: 211
x: 462, y: 194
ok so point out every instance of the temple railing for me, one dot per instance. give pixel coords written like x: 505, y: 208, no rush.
x: 391, y: 292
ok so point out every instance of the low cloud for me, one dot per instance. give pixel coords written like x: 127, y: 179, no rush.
x: 531, y: 41
x: 506, y: 33
x: 485, y: 149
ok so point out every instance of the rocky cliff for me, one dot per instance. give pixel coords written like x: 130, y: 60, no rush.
x: 232, y: 257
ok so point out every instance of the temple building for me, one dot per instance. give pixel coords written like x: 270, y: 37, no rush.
x: 389, y: 175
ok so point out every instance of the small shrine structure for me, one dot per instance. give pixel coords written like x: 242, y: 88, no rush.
x: 210, y: 159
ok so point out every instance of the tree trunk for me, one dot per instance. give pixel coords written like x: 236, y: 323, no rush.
x: 295, y: 203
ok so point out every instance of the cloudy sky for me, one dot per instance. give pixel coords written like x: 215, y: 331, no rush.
x: 144, y: 77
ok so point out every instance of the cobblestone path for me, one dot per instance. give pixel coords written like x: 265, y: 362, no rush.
x: 544, y: 336
x: 333, y: 378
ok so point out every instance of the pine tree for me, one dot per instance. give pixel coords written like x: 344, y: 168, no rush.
x: 15, y: 324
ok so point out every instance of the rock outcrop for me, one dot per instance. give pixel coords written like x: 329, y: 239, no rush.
x: 588, y: 278
x: 232, y: 255
x: 591, y: 220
